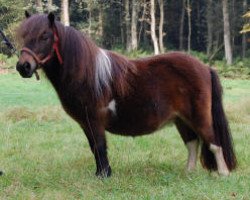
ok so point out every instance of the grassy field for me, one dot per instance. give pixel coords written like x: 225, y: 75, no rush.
x: 45, y: 155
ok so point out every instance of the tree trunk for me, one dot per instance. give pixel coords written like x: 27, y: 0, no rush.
x: 65, y: 12
x: 142, y: 20
x: 100, y: 23
x: 123, y: 28
x: 199, y: 23
x: 39, y: 6
x: 209, y: 27
x: 90, y: 18
x: 161, y: 23
x: 152, y: 27
x: 233, y: 31
x: 128, y: 28
x: 181, y: 30
x: 49, y: 5
x: 227, y: 36
x: 134, y: 41
x: 189, y: 25
x: 244, y: 41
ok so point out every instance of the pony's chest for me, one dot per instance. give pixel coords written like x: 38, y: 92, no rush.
x: 73, y: 106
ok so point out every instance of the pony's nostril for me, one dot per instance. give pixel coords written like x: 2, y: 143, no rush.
x: 26, y: 66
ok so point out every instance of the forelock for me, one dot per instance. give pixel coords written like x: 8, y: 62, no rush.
x: 33, y: 26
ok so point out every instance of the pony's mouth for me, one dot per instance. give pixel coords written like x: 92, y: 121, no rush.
x: 25, y: 74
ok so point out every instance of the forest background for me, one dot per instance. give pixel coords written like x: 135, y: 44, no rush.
x: 209, y: 29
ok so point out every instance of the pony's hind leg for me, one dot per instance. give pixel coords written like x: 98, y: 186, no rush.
x: 211, y: 153
x: 191, y: 141
x: 221, y: 164
x: 192, y: 147
x: 212, y: 156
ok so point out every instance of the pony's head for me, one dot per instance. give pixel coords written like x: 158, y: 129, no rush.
x: 40, y: 42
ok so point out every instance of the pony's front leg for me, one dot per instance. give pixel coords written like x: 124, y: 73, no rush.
x: 97, y: 141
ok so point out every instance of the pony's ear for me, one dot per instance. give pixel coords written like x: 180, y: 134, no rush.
x: 27, y: 14
x: 51, y: 18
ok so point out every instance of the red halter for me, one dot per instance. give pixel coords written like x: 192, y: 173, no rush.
x: 55, y: 48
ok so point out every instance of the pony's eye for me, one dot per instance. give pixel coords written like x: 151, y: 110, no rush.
x: 45, y: 37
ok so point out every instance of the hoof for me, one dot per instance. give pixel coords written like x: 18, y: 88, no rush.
x: 224, y: 173
x: 104, y: 173
x: 190, y: 168
x: 1, y: 173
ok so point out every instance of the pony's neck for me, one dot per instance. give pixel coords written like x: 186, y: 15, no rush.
x: 100, y: 71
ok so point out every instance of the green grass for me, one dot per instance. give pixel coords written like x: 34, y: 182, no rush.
x: 45, y: 155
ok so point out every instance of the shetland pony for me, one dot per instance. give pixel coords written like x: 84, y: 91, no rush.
x: 102, y: 90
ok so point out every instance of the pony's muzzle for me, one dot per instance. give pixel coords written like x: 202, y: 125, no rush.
x: 26, y: 65
x: 25, y: 69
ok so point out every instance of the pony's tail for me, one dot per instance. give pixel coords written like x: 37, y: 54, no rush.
x: 221, y: 130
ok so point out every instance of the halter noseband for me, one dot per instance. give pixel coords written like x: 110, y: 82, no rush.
x: 55, y: 48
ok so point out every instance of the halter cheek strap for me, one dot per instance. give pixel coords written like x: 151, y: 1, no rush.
x: 55, y: 48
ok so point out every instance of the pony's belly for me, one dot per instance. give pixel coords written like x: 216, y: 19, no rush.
x: 137, y: 122
x: 132, y: 129
x: 120, y: 128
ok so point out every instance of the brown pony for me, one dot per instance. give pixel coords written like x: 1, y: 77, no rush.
x: 102, y: 90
